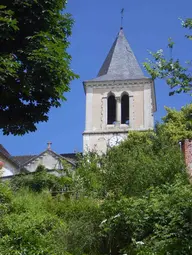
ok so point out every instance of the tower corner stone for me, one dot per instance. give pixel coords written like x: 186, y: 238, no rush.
x: 187, y: 150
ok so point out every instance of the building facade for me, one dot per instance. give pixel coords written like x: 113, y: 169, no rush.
x: 118, y: 100
x: 53, y: 162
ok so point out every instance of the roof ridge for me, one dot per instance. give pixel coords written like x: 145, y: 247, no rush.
x: 106, y: 64
x: 3, y: 150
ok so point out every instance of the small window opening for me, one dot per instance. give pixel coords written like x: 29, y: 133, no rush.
x: 111, y: 110
x: 125, y: 109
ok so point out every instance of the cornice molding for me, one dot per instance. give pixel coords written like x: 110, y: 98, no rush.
x: 118, y: 84
x: 105, y: 132
x: 114, y: 131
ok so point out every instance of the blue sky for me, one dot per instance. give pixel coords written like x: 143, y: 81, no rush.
x: 147, y: 25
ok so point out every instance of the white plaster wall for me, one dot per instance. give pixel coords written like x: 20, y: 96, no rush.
x: 8, y: 169
x: 5, y: 172
x: 47, y: 160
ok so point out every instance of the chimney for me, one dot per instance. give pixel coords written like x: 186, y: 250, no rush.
x: 187, y: 150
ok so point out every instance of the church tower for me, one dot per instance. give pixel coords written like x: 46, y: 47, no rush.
x: 118, y: 100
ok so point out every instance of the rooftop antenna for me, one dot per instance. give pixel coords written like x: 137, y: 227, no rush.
x: 122, y: 17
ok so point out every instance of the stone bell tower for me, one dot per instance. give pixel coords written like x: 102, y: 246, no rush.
x: 119, y: 99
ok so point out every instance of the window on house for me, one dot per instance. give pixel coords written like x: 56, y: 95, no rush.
x: 125, y: 109
x: 111, y: 109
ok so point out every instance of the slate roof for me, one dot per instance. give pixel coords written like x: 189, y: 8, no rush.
x: 71, y: 157
x: 6, y: 154
x: 22, y: 160
x: 120, y: 63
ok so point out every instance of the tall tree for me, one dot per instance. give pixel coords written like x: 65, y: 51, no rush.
x: 178, y: 76
x: 34, y: 63
x: 177, y: 125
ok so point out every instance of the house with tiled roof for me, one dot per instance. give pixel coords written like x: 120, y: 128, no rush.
x: 13, y: 165
x: 9, y: 166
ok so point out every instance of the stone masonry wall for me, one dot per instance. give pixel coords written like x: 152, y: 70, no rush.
x: 187, y: 150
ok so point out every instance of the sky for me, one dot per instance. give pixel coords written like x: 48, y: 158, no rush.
x: 147, y: 25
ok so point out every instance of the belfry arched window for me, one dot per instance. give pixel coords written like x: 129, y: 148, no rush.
x: 125, y: 109
x: 111, y: 109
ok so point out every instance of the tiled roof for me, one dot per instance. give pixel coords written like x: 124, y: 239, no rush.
x: 71, y: 157
x: 23, y: 159
x: 120, y: 63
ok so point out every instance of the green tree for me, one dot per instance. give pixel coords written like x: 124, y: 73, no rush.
x: 136, y: 199
x: 145, y: 159
x: 177, y: 125
x: 136, y: 186
x: 38, y: 223
x: 177, y: 76
x: 156, y: 223
x: 34, y: 63
x: 87, y: 179
x: 41, y: 179
x: 83, y: 217
x: 30, y: 226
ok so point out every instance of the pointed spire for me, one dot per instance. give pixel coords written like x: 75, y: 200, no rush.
x: 120, y: 63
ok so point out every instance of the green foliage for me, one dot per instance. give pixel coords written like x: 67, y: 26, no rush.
x: 177, y: 125
x: 34, y: 63
x: 38, y: 223
x: 142, y: 190
x: 88, y: 175
x: 157, y: 223
x: 145, y: 159
x: 5, y: 198
x: 134, y: 200
x: 29, y: 228
x: 83, y: 217
x: 187, y: 24
x: 177, y: 76
x: 41, y: 180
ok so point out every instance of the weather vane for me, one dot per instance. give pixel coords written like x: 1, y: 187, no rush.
x: 122, y: 17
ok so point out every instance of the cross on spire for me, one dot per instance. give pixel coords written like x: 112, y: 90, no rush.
x: 49, y: 145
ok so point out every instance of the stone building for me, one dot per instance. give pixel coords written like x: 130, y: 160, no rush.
x: 118, y: 100
x: 12, y: 165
